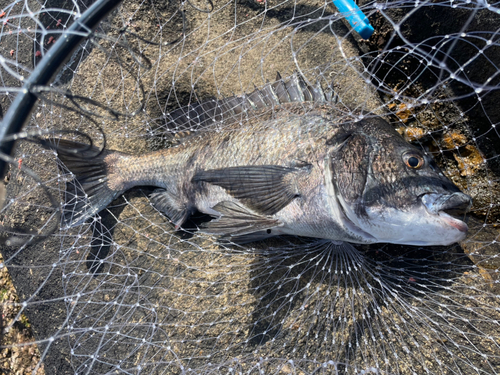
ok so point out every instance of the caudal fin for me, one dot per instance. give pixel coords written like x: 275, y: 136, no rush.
x: 88, y: 192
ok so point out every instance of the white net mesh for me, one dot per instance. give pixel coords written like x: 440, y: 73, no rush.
x: 126, y: 293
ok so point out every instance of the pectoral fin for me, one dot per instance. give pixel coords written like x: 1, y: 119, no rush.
x: 266, y: 189
x: 237, y: 221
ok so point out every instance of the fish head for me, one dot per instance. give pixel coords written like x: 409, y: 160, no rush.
x: 391, y: 191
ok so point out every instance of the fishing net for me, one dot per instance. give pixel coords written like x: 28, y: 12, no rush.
x: 125, y: 292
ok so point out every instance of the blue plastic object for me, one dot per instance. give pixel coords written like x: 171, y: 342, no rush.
x: 356, y: 17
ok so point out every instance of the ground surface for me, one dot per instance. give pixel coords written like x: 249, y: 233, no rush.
x: 20, y: 360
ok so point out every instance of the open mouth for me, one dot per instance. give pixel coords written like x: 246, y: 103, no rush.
x: 452, y: 221
x: 450, y: 208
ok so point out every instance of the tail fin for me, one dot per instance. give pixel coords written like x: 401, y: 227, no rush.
x: 88, y: 192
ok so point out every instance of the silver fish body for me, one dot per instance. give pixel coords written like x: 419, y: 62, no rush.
x: 302, y: 168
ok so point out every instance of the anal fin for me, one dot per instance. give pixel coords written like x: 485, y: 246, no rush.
x: 170, y: 205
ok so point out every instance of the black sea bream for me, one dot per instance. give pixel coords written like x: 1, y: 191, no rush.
x: 292, y: 164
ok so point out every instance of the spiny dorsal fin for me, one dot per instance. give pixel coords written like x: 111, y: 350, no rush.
x: 294, y: 90
x: 280, y: 89
x: 232, y: 108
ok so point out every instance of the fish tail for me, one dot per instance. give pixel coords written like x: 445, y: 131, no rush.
x: 89, y: 191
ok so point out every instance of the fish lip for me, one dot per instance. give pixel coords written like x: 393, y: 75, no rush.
x: 456, y: 223
x: 446, y: 205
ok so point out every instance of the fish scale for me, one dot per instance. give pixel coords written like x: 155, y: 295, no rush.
x: 285, y: 160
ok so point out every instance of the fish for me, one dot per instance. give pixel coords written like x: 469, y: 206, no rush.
x: 283, y: 160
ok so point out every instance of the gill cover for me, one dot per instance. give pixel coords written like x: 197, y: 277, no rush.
x: 385, y: 196
x: 350, y: 160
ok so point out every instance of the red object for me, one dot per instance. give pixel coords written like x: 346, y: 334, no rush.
x: 12, y: 52
x: 38, y: 54
x: 2, y: 14
x: 58, y: 22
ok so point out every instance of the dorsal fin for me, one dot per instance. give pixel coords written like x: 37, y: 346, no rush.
x: 231, y: 109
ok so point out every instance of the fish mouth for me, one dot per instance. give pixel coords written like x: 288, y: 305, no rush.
x: 449, y: 207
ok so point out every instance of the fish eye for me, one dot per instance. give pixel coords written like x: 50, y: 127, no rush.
x: 413, y: 160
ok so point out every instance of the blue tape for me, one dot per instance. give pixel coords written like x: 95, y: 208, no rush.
x: 355, y: 17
